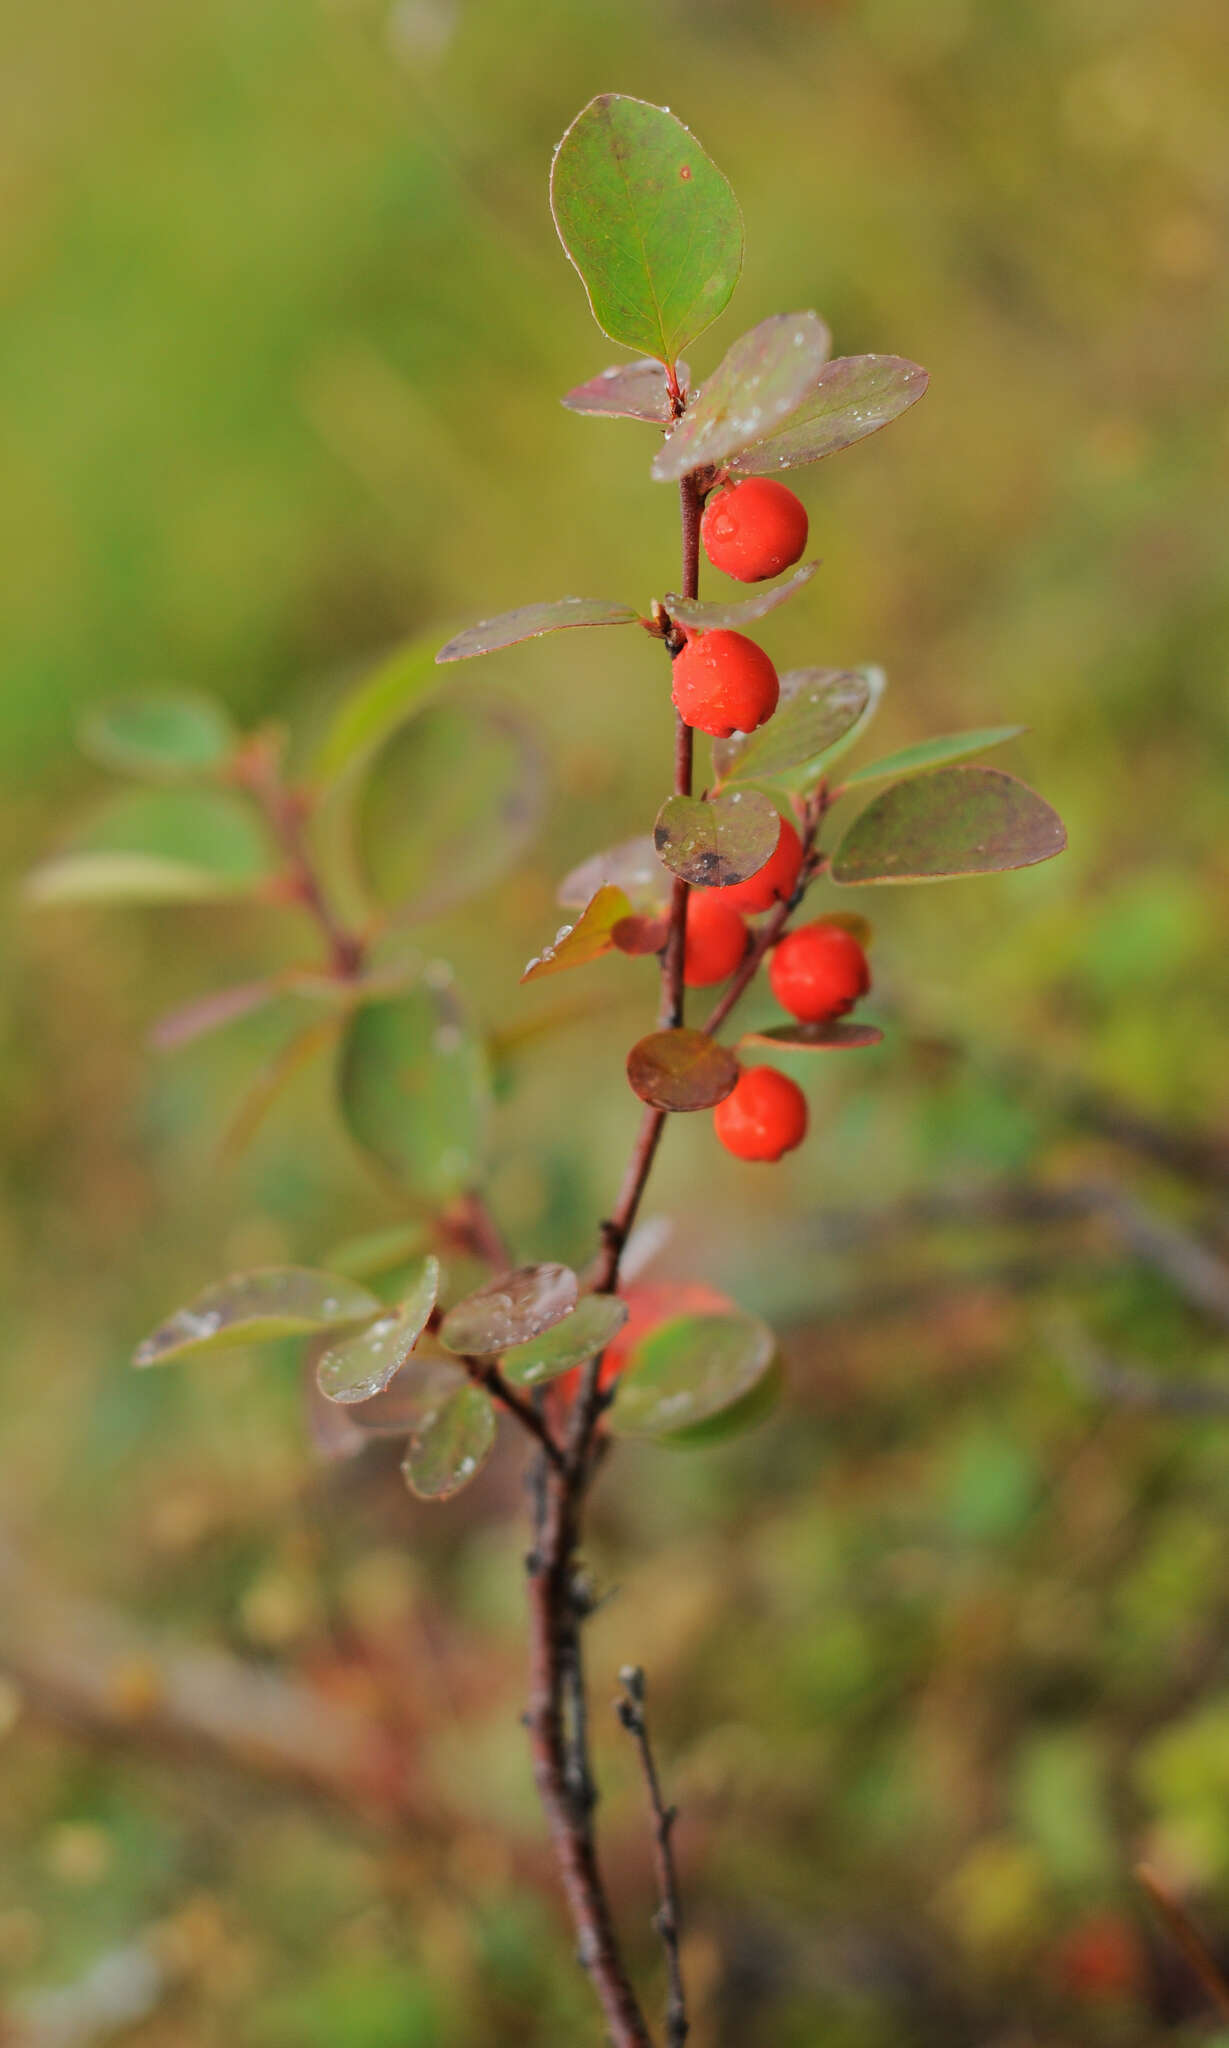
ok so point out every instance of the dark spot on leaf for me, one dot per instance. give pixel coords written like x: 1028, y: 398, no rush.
x: 685, y: 171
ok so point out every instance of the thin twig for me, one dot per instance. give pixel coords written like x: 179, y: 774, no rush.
x: 667, y: 1920
x: 485, y: 1373
x: 1187, y: 1936
x: 767, y: 938
x: 285, y: 812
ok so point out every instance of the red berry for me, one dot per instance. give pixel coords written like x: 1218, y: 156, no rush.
x: 818, y: 972
x: 765, y: 1116
x: 716, y: 938
x: 754, y: 530
x: 724, y: 683
x: 775, y: 880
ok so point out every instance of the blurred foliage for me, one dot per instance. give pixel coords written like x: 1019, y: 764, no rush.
x: 940, y: 1651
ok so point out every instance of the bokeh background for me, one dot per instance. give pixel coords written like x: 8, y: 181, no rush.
x: 939, y: 1653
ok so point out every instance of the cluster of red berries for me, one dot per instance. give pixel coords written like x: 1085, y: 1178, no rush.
x: 723, y: 682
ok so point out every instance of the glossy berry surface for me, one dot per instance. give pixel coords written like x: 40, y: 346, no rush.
x: 723, y: 683
x: 775, y: 880
x: 716, y: 938
x: 754, y: 530
x: 765, y: 1116
x: 818, y: 972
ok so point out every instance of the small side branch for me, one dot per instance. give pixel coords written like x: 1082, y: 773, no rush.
x: 484, y: 1373
x: 667, y: 1919
x: 1187, y: 1937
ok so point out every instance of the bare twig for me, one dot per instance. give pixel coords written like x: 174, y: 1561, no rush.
x: 1187, y: 1936
x: 485, y: 1373
x: 667, y: 1919
x: 258, y: 770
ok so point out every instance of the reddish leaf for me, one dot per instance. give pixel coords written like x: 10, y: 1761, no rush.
x: 851, y: 397
x: 632, y: 866
x: 738, y: 611
x: 629, y: 391
x: 717, y: 842
x: 759, y: 383
x: 591, y: 935
x: 835, y: 1037
x: 531, y: 620
x: 641, y: 934
x: 681, y: 1070
x: 510, y: 1310
x: 956, y: 821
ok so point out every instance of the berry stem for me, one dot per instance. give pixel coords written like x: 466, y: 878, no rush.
x: 774, y: 929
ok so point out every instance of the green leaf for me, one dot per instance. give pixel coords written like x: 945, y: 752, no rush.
x: 371, y: 712
x: 681, y: 1070
x: 952, y: 746
x: 510, y: 1310
x: 530, y: 621
x: 956, y: 821
x: 836, y: 1037
x: 415, y: 1089
x: 278, y: 1071
x: 852, y: 397
x: 157, y: 846
x: 706, y: 615
x: 632, y: 867
x: 448, y: 805
x: 689, y: 1369
x: 377, y: 1251
x: 820, y: 712
x: 761, y: 381
x: 748, y: 1413
x: 595, y: 1320
x: 164, y: 734
x: 362, y: 1365
x: 717, y: 842
x: 255, y: 1308
x: 649, y: 222
x: 451, y: 1444
x: 591, y: 935
x: 628, y: 391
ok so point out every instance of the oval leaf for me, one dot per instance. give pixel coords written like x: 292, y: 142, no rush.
x: 717, y: 843
x: 591, y: 935
x: 371, y: 712
x: 510, y: 1310
x: 532, y: 620
x: 639, y: 935
x: 761, y: 381
x: 165, y: 734
x: 451, y: 1444
x: 415, y: 1089
x: 748, y: 1413
x: 629, y: 391
x: 362, y: 1366
x: 448, y: 805
x: 681, y: 1070
x: 818, y: 709
x: 632, y: 867
x: 852, y: 397
x: 158, y: 846
x: 255, y: 1308
x: 835, y: 1037
x: 649, y: 222
x: 593, y: 1322
x: 378, y: 1251
x: 689, y: 1369
x: 957, y: 821
x: 740, y: 611
x: 952, y: 746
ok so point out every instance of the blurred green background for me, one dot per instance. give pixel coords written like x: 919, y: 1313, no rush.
x: 941, y: 1651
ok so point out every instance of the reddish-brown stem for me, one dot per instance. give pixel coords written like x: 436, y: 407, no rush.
x: 771, y: 931
x: 668, y: 1918
x: 1187, y: 1937
x: 484, y: 1373
x: 285, y: 812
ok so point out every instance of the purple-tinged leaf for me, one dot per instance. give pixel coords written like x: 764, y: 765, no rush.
x: 681, y: 1070
x: 361, y: 1366
x: 639, y: 935
x: 649, y: 222
x: 629, y: 391
x: 532, y: 620
x: 415, y: 1088
x: 210, y: 1012
x: 510, y: 1310
x: 836, y: 1037
x: 689, y: 1369
x: 258, y: 1308
x: 451, y: 1444
x: 759, y: 383
x: 955, y: 821
x: 715, y: 843
x: 936, y: 753
x: 632, y: 867
x: 591, y: 935
x: 820, y: 712
x: 593, y: 1322
x: 708, y: 615
x: 165, y: 735
x: 426, y: 1378
x: 851, y: 397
